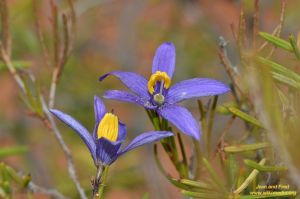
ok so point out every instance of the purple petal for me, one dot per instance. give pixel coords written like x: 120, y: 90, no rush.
x: 135, y: 82
x: 122, y: 132
x: 107, y: 151
x: 197, y: 87
x: 99, y: 109
x: 146, y: 138
x: 127, y: 97
x: 77, y: 127
x: 164, y: 59
x: 182, y: 119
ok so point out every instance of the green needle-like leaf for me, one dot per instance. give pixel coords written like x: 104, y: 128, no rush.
x: 244, y: 116
x: 281, y: 73
x: 201, y: 194
x: 246, y: 147
x: 196, y: 184
x: 17, y: 64
x: 4, y: 152
x: 215, y: 177
x: 294, y: 46
x: 259, y: 167
x: 277, y: 41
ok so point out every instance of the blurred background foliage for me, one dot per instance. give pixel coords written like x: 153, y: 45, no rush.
x: 121, y: 35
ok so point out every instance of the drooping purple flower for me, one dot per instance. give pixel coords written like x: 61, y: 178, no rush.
x: 158, y: 94
x: 105, y: 144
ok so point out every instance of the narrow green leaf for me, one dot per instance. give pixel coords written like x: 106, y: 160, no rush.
x: 232, y: 168
x: 277, y: 41
x: 201, y: 194
x: 281, y: 73
x: 294, y: 46
x: 13, y: 174
x: 196, y: 184
x: 215, y: 177
x: 244, y: 116
x: 246, y: 147
x: 259, y: 167
x: 286, y: 80
x: 4, y: 152
x: 249, y: 179
x: 279, y: 68
x: 17, y: 64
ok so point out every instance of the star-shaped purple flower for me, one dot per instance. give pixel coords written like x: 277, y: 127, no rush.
x: 108, y: 136
x: 158, y: 94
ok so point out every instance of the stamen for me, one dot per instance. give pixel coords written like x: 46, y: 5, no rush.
x: 159, y: 76
x: 108, y: 127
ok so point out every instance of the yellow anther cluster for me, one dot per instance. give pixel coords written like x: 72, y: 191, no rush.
x: 158, y: 76
x: 108, y: 127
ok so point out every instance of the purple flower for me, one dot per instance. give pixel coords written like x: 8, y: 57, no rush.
x: 109, y: 134
x: 158, y: 94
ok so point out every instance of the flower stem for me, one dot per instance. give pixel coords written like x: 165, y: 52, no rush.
x: 99, y: 182
x: 210, y: 124
x: 169, y: 143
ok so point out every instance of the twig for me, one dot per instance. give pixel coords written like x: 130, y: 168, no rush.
x: 255, y: 23
x: 280, y: 25
x: 55, y: 29
x: 241, y: 39
x: 41, y: 37
x: 61, y: 57
x: 50, y: 192
x: 221, y: 142
x: 278, y: 28
x: 6, y: 38
x: 6, y: 59
x: 50, y: 120
x: 65, y: 149
x: 230, y: 69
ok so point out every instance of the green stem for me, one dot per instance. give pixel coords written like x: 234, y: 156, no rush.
x: 210, y: 123
x: 99, y: 182
x: 183, y: 154
x: 199, y: 158
x: 169, y: 143
x: 102, y: 185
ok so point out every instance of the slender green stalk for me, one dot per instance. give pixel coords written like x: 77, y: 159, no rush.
x: 199, y: 157
x: 210, y: 123
x: 182, y: 149
x: 99, y: 182
x: 102, y: 185
x: 169, y: 144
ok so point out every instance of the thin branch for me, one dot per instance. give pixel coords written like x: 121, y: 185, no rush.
x: 49, y: 122
x: 6, y: 38
x: 230, y: 69
x: 65, y: 149
x: 55, y: 29
x: 41, y: 37
x: 277, y: 30
x: 280, y: 25
x: 50, y: 192
x: 68, y: 33
x: 7, y: 61
x: 255, y: 23
x: 221, y: 142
